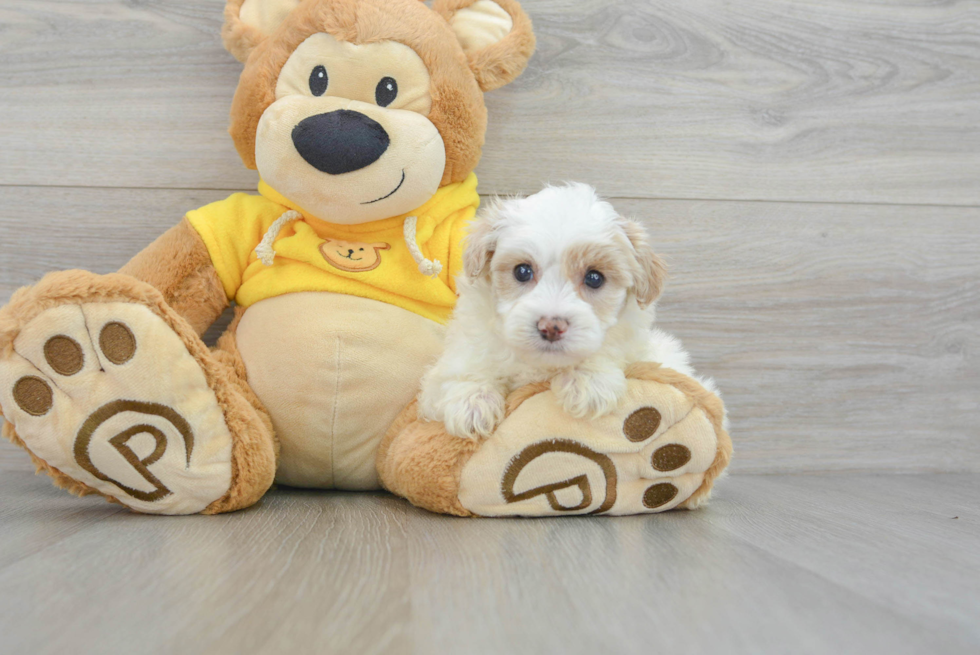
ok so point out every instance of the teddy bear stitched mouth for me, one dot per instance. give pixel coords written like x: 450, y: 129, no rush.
x: 388, y: 195
x: 349, y: 255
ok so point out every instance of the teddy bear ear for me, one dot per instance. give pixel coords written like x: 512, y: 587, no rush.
x: 496, y: 36
x: 249, y: 22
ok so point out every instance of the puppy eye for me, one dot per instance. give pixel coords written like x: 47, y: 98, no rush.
x: 523, y: 273
x: 361, y: 249
x: 318, y: 81
x: 594, y: 279
x: 386, y: 91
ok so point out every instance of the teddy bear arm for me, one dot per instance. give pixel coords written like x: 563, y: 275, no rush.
x: 178, y: 264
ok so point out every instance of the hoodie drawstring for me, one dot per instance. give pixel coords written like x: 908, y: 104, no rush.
x: 429, y: 267
x: 264, y: 250
x: 267, y: 254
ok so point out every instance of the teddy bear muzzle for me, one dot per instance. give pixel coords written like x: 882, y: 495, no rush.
x: 340, y: 141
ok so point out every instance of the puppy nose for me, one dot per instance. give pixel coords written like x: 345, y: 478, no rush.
x: 350, y: 251
x: 552, y: 329
x: 340, y: 141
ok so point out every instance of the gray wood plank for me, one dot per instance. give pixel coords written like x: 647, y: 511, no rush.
x: 822, y: 100
x: 633, y: 586
x: 293, y: 573
x: 889, y: 538
x: 347, y: 572
x: 13, y: 458
x: 844, y: 337
x: 35, y: 514
x: 56, y: 228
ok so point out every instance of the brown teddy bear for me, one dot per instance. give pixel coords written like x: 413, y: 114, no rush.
x: 365, y: 120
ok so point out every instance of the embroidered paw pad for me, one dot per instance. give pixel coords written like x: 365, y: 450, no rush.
x: 650, y: 455
x: 109, y: 395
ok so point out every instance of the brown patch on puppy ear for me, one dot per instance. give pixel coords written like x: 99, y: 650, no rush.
x: 480, y: 243
x: 496, y: 36
x: 249, y: 22
x: 650, y: 272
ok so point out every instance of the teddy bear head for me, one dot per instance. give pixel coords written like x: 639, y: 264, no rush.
x: 358, y: 110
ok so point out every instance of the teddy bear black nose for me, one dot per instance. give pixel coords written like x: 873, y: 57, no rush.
x: 340, y: 141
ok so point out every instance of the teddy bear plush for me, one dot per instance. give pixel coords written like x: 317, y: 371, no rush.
x: 365, y: 120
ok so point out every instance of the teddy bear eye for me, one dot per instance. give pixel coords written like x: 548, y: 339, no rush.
x: 523, y: 272
x: 318, y: 81
x: 386, y: 91
x: 594, y: 279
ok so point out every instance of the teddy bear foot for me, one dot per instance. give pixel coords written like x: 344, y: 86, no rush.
x: 661, y: 449
x: 112, y: 393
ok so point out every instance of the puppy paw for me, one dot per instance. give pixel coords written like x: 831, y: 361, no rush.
x: 588, y: 393
x: 473, y: 411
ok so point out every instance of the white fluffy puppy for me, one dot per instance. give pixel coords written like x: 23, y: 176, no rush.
x: 558, y: 287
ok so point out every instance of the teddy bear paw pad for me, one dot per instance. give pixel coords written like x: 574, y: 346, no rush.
x: 108, y: 394
x: 650, y: 455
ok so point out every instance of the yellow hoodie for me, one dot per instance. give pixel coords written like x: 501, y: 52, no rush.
x: 371, y: 260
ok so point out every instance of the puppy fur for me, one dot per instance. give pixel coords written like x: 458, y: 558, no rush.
x: 498, y: 339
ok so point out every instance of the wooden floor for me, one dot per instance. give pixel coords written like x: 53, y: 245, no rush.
x: 811, y: 171
x: 833, y: 563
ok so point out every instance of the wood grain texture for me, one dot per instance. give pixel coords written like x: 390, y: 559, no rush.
x: 56, y: 228
x: 13, y: 458
x: 822, y: 523
x: 816, y: 100
x: 35, y: 514
x: 844, y: 337
x: 774, y: 564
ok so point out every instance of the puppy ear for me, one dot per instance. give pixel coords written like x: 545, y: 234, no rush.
x: 496, y: 36
x: 481, y: 241
x: 380, y: 246
x: 249, y: 22
x: 650, y: 272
